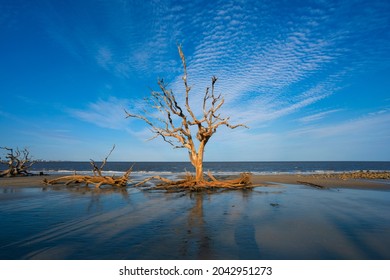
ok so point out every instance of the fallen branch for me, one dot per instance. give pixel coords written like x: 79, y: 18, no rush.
x: 97, y: 179
x: 18, y: 162
x: 191, y: 184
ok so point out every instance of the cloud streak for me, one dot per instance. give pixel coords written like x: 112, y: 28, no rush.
x: 257, y: 49
x: 273, y: 61
x: 374, y: 124
x: 105, y: 113
x: 304, y: 61
x: 317, y: 116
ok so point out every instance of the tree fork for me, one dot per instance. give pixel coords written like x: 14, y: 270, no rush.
x: 18, y: 161
x: 178, y: 133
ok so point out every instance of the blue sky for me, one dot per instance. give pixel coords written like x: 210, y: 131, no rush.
x: 311, y: 79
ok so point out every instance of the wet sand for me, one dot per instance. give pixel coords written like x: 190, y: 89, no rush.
x: 280, y: 219
x: 258, y: 180
x: 322, y: 181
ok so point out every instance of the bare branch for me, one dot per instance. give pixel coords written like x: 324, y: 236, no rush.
x: 18, y: 161
x: 97, y: 179
x: 187, y: 88
x: 105, y: 159
x: 175, y: 127
x: 237, y: 125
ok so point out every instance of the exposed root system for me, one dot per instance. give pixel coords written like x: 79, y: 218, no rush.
x: 191, y: 184
x: 97, y: 180
x: 18, y: 162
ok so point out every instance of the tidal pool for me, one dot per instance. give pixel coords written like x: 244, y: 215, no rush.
x: 278, y: 222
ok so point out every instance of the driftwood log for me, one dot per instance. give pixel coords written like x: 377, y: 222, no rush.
x: 97, y: 179
x: 18, y: 162
x: 190, y: 183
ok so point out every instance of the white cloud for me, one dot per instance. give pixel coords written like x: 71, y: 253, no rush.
x: 263, y: 53
x: 374, y: 125
x: 317, y: 116
x: 301, y: 64
x: 108, y: 113
x: 104, y: 57
x: 271, y: 65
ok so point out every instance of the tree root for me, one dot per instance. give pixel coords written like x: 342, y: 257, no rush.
x: 18, y: 162
x: 189, y: 183
x: 96, y: 180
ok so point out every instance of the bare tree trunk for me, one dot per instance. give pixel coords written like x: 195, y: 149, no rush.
x: 197, y: 162
x: 175, y: 128
x: 199, y: 171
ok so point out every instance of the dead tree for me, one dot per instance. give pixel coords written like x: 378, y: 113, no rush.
x: 18, y: 162
x: 98, y: 179
x: 179, y: 121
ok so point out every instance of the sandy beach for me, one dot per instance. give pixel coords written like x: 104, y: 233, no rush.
x: 285, y: 217
x: 325, y: 181
x: 321, y: 181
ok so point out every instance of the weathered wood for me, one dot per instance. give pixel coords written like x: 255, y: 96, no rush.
x: 18, y: 162
x: 179, y: 121
x: 190, y: 183
x: 97, y: 179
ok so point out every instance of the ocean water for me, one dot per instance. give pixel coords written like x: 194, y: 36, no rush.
x: 293, y: 167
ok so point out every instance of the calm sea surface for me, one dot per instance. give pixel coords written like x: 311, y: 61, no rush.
x: 217, y: 167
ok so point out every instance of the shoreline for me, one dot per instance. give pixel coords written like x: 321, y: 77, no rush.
x: 319, y: 181
x: 280, y: 219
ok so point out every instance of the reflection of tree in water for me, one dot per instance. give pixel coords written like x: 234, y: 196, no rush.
x: 10, y: 190
x: 97, y: 193
x: 94, y: 193
x: 197, y: 240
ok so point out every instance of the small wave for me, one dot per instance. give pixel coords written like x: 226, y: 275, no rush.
x: 182, y: 173
x: 153, y: 172
x: 65, y: 172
